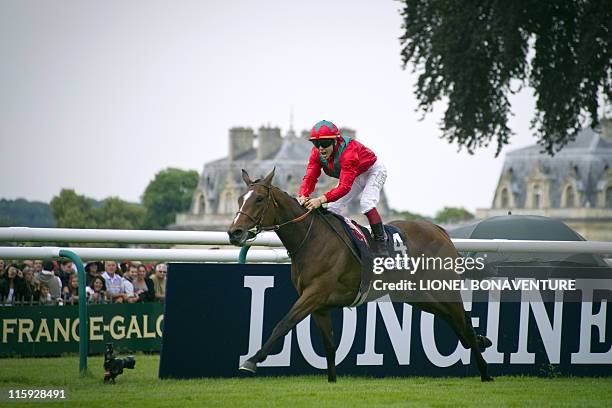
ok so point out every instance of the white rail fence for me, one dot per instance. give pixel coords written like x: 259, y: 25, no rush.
x: 268, y: 239
x: 145, y: 254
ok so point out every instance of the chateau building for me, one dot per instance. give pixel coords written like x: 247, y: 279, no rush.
x: 215, y: 200
x: 574, y: 186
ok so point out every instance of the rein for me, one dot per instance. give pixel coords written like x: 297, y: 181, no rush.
x: 275, y: 227
x: 279, y: 226
x: 348, y: 245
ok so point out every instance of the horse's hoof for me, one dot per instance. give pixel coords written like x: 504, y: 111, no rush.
x: 487, y: 378
x: 249, y: 366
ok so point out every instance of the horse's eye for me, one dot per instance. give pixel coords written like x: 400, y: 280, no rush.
x: 259, y: 199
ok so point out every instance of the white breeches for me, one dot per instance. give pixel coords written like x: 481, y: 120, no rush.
x: 368, y: 184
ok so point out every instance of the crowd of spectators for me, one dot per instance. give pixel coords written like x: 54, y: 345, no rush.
x: 45, y: 282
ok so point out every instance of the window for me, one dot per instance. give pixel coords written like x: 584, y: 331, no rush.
x: 570, y: 197
x: 609, y: 197
x: 537, y: 197
x: 201, y: 204
x: 229, y: 203
x: 505, y: 202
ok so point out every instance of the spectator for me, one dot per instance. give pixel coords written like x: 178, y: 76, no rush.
x: 38, y: 267
x: 27, y: 290
x: 128, y: 288
x: 2, y: 266
x: 130, y: 272
x: 97, y: 291
x: 123, y: 267
x: 66, y: 270
x: 92, y: 269
x: 128, y: 282
x: 9, y: 285
x: 47, y: 277
x: 143, y: 286
x: 150, y: 269
x: 45, y: 297
x: 71, y: 293
x: 114, y: 282
x: 159, y: 281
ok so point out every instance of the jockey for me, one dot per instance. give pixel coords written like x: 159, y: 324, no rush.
x: 357, y: 168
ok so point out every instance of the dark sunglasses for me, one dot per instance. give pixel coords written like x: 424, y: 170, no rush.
x: 325, y: 143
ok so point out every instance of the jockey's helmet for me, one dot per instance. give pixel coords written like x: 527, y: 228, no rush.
x: 324, y: 129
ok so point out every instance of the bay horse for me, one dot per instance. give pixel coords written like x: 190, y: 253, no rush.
x: 325, y: 273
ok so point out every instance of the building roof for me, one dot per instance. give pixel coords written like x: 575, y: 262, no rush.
x: 585, y: 159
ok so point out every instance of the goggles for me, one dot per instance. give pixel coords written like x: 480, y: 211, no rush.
x: 324, y: 143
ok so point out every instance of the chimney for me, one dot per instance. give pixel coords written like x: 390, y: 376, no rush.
x: 350, y: 133
x: 240, y: 141
x: 269, y: 141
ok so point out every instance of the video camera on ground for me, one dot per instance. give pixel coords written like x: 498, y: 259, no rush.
x: 114, y: 366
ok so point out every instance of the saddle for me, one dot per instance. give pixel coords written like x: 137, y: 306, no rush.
x: 362, y: 239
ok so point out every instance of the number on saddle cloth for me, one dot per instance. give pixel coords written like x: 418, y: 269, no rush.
x: 358, y: 233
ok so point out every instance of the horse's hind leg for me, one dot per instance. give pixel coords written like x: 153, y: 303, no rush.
x: 305, y: 305
x: 462, y: 325
x: 323, y: 321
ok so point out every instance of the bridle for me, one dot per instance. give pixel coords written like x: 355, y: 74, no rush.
x: 274, y: 227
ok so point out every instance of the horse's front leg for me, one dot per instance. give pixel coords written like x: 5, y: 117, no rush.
x: 306, y: 304
x: 323, y: 321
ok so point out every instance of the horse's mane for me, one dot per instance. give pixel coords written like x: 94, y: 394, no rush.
x: 291, y: 199
x: 289, y: 196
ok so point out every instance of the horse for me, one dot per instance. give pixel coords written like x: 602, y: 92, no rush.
x: 325, y: 273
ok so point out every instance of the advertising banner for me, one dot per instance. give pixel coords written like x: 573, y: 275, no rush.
x: 54, y: 330
x: 218, y: 315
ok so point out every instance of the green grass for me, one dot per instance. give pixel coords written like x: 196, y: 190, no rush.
x: 141, y: 388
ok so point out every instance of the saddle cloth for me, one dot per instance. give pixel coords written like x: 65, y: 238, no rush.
x: 361, y: 239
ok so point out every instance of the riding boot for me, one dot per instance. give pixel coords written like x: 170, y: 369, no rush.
x: 379, y: 247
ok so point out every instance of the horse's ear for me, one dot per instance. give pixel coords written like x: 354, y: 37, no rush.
x: 246, y: 178
x: 269, y: 177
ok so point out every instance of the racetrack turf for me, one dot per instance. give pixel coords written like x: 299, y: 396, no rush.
x: 141, y: 388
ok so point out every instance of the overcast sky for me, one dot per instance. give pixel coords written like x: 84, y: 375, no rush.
x: 99, y: 96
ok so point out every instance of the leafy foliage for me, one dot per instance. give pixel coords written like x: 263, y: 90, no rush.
x: 408, y: 216
x: 24, y: 213
x: 72, y: 210
x: 453, y: 215
x: 169, y: 193
x: 473, y: 53
x: 118, y: 214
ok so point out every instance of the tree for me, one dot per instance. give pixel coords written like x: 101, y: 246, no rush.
x: 450, y: 215
x: 72, y: 210
x: 409, y: 216
x: 169, y: 193
x: 474, y: 54
x: 118, y: 214
x: 24, y: 213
